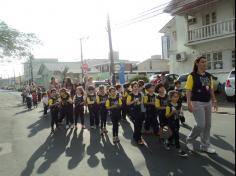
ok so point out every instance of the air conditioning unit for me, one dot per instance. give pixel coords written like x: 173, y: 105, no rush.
x: 180, y: 57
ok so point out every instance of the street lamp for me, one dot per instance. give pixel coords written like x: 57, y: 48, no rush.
x: 81, y: 52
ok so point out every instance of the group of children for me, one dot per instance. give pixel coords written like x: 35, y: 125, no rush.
x: 147, y: 106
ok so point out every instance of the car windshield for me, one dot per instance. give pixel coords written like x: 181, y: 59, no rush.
x: 232, y: 74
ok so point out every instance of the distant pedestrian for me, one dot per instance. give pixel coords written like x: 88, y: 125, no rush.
x: 54, y: 84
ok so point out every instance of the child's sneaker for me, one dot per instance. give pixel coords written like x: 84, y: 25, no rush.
x: 52, y: 131
x: 114, y: 139
x: 167, y: 146
x: 182, y: 153
x: 117, y: 139
x: 105, y: 130
x: 93, y: 127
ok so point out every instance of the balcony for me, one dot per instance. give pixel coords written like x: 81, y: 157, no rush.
x: 212, y: 31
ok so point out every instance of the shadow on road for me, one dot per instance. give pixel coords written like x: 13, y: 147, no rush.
x: 93, y: 148
x: 51, y: 150
x: 41, y: 124
x: 76, y: 150
x: 116, y: 160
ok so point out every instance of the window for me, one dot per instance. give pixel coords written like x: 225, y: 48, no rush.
x: 207, y: 19
x: 174, y: 35
x: 208, y: 57
x: 233, y: 58
x: 213, y: 17
x: 217, y: 60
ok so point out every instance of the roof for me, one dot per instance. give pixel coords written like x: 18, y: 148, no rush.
x: 167, y: 25
x: 180, y: 6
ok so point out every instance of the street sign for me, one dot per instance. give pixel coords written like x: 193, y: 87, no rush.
x: 85, y: 67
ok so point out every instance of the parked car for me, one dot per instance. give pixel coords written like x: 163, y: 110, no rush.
x: 170, y: 81
x: 183, y: 78
x: 230, y: 86
x: 153, y: 79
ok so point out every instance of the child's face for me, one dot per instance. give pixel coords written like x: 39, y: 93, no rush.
x: 178, y: 86
x: 54, y: 93
x: 162, y: 90
x: 135, y: 87
x: 113, y: 92
x: 62, y: 93
x: 119, y: 89
x: 151, y: 89
x: 91, y: 92
x: 78, y: 91
x: 175, y: 98
x: 102, y: 91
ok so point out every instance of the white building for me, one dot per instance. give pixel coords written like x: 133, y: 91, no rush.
x: 200, y: 27
x: 155, y: 64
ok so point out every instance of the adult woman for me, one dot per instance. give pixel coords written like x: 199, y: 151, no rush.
x: 89, y: 83
x: 69, y: 86
x: 53, y: 84
x: 200, y: 99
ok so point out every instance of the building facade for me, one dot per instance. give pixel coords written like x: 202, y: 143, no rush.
x: 200, y: 28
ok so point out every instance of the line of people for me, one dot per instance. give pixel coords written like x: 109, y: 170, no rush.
x: 147, y: 106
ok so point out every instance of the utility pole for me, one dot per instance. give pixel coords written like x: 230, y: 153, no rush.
x: 82, y: 61
x: 31, y: 68
x: 112, y: 71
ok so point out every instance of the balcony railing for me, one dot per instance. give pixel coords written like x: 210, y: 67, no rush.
x: 213, y: 30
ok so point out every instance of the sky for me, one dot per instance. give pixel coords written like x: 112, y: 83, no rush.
x: 59, y: 24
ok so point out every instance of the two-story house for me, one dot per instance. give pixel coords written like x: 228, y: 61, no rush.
x: 200, y: 27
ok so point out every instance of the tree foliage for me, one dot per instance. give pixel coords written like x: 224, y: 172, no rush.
x: 14, y: 43
x: 139, y: 77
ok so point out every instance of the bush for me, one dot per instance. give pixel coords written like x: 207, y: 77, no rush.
x: 139, y: 77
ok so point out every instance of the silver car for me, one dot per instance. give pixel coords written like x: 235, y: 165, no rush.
x: 230, y: 86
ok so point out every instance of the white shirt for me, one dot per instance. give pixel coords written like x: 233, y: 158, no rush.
x: 45, y: 100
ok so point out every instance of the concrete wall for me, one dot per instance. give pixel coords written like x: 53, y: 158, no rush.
x: 155, y: 65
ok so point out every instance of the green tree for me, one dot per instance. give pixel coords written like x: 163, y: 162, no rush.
x: 14, y: 43
x: 139, y: 77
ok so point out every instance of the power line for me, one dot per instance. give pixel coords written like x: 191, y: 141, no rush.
x: 124, y: 25
x: 140, y: 16
x: 154, y: 8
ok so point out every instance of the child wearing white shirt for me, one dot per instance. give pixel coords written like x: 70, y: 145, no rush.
x: 45, y: 103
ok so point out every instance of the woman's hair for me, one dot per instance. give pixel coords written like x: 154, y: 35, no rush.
x: 195, y: 68
x: 80, y: 88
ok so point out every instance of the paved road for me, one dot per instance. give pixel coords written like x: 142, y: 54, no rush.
x: 26, y: 148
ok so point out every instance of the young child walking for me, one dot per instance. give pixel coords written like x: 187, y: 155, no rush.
x: 134, y: 101
x: 79, y: 103
x: 101, y: 100
x: 45, y: 104
x: 114, y: 104
x: 53, y: 103
x: 150, y: 102
x: 125, y: 94
x: 35, y: 99
x: 173, y: 110
x: 93, y: 107
x: 65, y: 103
x: 162, y: 100
x: 180, y: 101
